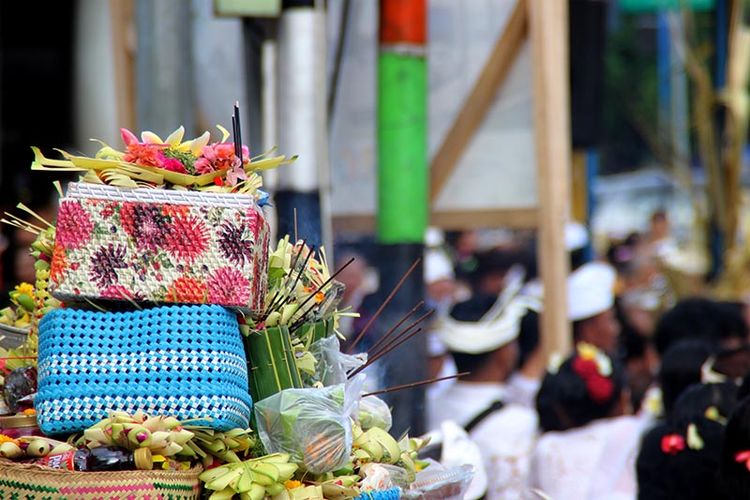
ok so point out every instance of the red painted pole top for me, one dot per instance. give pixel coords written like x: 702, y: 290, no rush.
x: 403, y: 21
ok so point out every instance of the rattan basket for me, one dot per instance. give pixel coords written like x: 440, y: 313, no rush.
x: 34, y: 482
x: 181, y: 361
x: 159, y: 245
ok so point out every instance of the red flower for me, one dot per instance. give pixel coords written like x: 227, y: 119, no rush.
x: 187, y: 238
x: 585, y: 368
x: 743, y: 457
x: 173, y: 165
x: 672, y: 444
x: 600, y: 388
x: 74, y: 225
x: 148, y: 155
x: 227, y: 286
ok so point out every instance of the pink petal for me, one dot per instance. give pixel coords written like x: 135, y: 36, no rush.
x: 128, y: 137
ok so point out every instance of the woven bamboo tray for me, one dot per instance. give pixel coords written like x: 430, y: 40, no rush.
x: 32, y: 482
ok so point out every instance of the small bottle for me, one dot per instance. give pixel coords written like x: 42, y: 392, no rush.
x: 99, y: 460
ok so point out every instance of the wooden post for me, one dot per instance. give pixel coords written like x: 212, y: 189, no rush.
x: 548, y: 27
x: 121, y: 13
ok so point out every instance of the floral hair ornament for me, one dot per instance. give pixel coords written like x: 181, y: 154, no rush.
x: 712, y: 413
x: 595, y: 368
x: 555, y: 362
x: 672, y: 444
x: 743, y: 457
x: 694, y: 440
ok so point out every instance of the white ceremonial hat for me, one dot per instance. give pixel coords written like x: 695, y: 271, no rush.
x: 591, y: 290
x: 499, y: 327
x: 437, y: 266
x: 576, y: 236
x: 434, y: 237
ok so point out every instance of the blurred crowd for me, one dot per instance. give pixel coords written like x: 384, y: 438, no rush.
x: 653, y: 402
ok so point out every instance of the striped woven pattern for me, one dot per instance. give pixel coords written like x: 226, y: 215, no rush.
x: 32, y: 482
x: 183, y: 361
x: 391, y: 494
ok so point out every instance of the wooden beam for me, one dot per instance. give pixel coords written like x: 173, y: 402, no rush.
x: 516, y: 218
x: 478, y: 102
x: 123, y: 55
x: 548, y: 25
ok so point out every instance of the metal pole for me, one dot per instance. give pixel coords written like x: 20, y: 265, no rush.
x: 403, y: 188
x: 302, y: 118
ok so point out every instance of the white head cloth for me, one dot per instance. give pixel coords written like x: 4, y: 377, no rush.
x: 437, y: 266
x: 498, y: 327
x: 590, y: 290
x: 576, y: 236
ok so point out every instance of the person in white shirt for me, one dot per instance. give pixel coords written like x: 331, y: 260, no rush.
x: 589, y: 443
x: 480, y: 334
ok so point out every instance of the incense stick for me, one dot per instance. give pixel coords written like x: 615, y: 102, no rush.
x: 325, y: 283
x: 395, y: 290
x: 288, y: 291
x: 394, y: 327
x: 239, y: 131
x: 391, y: 348
x: 401, y: 334
x: 234, y: 137
x: 414, y: 384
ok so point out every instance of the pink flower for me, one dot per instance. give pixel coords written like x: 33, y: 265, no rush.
x: 187, y: 238
x: 117, y: 292
x: 74, y: 225
x: 220, y: 156
x: 128, y: 137
x: 227, y: 286
x: 203, y: 165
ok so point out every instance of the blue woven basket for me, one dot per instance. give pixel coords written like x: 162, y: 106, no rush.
x: 184, y: 361
x: 392, y: 494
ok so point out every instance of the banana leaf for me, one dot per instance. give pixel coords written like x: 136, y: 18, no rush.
x: 271, y: 363
x: 309, y: 333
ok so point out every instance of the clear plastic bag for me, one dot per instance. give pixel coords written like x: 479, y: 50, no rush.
x: 374, y: 412
x: 439, y: 483
x: 383, y: 477
x: 332, y: 364
x: 312, y: 425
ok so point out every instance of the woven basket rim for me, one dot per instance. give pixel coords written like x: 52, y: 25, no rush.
x: 82, y: 190
x: 65, y: 476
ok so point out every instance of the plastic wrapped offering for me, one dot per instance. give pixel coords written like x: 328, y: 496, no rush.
x: 311, y: 425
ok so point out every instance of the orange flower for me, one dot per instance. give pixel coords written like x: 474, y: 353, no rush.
x: 187, y: 289
x: 173, y: 210
x: 7, y: 439
x: 29, y: 411
x: 59, y: 264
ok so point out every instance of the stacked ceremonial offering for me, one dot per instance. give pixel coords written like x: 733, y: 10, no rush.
x: 167, y: 350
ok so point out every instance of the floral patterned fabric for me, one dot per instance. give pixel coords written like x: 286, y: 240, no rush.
x: 160, y: 252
